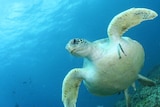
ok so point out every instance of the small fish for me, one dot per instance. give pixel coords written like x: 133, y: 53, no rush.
x: 120, y: 49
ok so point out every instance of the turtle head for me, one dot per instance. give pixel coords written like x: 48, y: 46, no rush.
x: 78, y: 47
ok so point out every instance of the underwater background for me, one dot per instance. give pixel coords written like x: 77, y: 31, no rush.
x: 33, y: 35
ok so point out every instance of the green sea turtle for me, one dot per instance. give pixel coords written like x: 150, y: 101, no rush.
x: 112, y: 64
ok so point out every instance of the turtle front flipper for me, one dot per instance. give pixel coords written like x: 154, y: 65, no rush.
x: 70, y: 87
x: 127, y: 19
x: 145, y: 81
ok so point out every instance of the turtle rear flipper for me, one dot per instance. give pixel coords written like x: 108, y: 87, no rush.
x: 70, y: 88
x: 127, y: 98
x: 146, y: 81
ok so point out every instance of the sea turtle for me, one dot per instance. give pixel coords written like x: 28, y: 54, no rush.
x: 112, y: 64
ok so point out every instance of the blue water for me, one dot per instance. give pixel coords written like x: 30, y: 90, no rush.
x: 33, y: 35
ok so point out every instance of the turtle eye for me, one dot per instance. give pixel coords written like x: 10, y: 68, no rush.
x: 74, y: 41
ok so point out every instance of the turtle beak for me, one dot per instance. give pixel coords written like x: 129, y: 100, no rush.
x: 69, y: 48
x: 70, y: 45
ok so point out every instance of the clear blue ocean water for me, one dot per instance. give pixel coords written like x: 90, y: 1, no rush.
x: 33, y: 35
